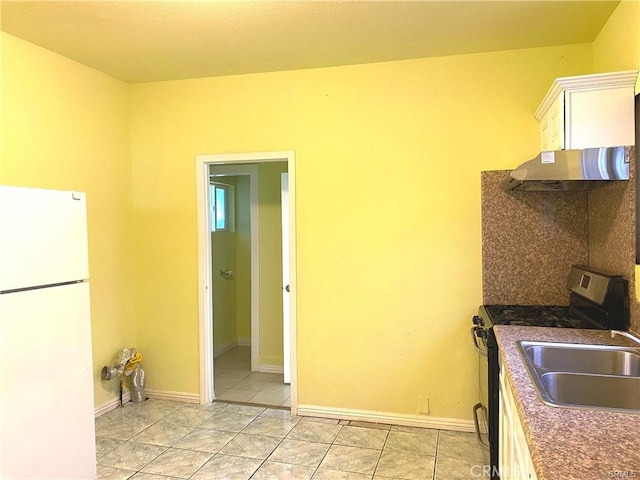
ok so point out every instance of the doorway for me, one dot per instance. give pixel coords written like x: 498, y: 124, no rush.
x: 229, y: 354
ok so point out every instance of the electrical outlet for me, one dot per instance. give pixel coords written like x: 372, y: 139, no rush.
x: 423, y: 405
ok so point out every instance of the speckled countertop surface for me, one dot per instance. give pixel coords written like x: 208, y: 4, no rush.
x: 570, y: 443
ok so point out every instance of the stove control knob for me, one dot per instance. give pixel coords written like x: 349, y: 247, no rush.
x: 478, y: 321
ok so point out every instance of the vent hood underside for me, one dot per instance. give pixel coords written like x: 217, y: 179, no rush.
x: 572, y: 169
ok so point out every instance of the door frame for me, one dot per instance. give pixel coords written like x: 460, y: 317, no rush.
x: 205, y: 303
x: 252, y: 172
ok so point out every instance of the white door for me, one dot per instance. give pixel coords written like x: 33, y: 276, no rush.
x: 286, y: 306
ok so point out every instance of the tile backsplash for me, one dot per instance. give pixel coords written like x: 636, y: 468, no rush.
x: 531, y: 239
x: 529, y: 242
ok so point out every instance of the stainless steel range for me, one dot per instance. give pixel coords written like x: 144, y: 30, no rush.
x: 597, y: 300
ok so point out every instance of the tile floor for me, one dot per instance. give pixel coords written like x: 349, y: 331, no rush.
x: 162, y: 440
x: 235, y: 382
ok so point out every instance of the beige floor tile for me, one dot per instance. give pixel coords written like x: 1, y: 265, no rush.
x: 361, y: 437
x: 351, y: 459
x: 122, y: 428
x: 177, y: 463
x: 226, y: 467
x: 105, y: 445
x: 238, y: 441
x: 111, y: 473
x: 188, y: 416
x: 264, y: 377
x: 162, y: 433
x: 282, y: 471
x: 224, y: 383
x: 299, y: 452
x: 215, y: 407
x: 234, y: 378
x: 219, y: 391
x: 151, y: 476
x: 252, y: 446
x: 314, y: 431
x: 279, y: 412
x: 131, y: 456
x: 414, y: 443
x: 324, y: 474
x: 405, y: 465
x: 416, y: 430
x: 461, y: 445
x: 233, y: 395
x: 203, y: 440
x: 253, y: 385
x: 245, y: 410
x: 277, y: 427
x: 269, y: 398
x: 458, y: 469
x: 228, y: 422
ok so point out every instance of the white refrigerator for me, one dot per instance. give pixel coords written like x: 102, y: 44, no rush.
x: 46, y: 400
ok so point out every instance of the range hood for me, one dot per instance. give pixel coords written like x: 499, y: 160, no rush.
x: 572, y: 169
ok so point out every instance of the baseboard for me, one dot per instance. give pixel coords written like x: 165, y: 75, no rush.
x: 173, y: 396
x: 224, y: 347
x: 271, y: 369
x: 112, y: 404
x: 406, y: 420
x: 235, y: 342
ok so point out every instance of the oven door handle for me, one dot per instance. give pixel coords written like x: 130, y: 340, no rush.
x: 479, y: 407
x: 474, y: 337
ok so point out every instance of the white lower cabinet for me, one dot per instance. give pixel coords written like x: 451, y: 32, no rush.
x: 514, y: 458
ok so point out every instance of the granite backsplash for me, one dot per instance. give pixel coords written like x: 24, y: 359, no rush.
x: 531, y: 239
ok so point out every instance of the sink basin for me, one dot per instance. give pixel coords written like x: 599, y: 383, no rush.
x: 599, y: 391
x: 584, y: 376
x: 595, y: 359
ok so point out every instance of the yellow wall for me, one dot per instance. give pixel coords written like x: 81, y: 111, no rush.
x: 617, y: 48
x: 232, y: 250
x: 270, y: 263
x: 223, y: 257
x: 388, y: 161
x: 388, y: 212
x: 66, y: 126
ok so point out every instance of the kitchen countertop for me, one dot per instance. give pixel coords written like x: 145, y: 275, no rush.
x: 570, y: 443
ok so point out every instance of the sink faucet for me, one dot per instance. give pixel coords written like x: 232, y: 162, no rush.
x: 625, y: 334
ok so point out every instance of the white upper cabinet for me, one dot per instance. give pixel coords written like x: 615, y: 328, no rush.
x: 588, y: 111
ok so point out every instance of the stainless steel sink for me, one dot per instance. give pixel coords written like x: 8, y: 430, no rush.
x: 596, y: 359
x: 584, y: 376
x: 600, y: 391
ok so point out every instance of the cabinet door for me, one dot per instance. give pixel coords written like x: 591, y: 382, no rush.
x: 515, y: 459
x: 600, y: 118
x: 544, y: 134
x: 556, y: 124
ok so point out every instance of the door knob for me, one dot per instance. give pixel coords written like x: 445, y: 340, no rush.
x: 287, y: 288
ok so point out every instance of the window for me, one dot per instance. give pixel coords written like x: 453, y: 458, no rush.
x: 221, y: 205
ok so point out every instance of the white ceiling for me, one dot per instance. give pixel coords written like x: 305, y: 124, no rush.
x: 154, y: 40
